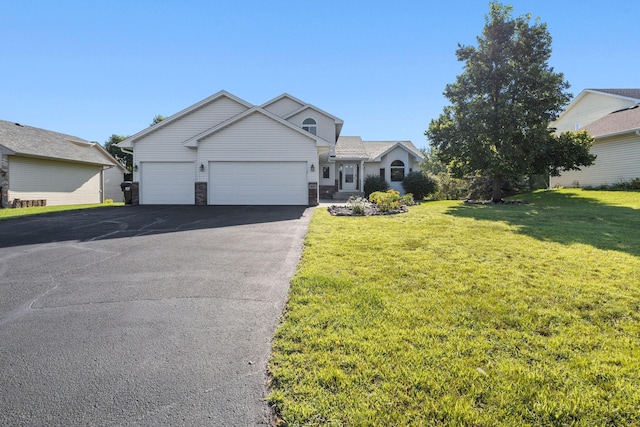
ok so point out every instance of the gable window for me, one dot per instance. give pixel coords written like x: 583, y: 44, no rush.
x: 397, y: 170
x: 310, y: 126
x: 325, y: 171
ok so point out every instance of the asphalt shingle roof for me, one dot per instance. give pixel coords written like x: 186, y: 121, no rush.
x: 616, y: 122
x: 629, y: 93
x: 353, y: 147
x: 350, y: 147
x: 36, y: 142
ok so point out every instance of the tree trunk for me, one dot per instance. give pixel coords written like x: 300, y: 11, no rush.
x: 496, y: 190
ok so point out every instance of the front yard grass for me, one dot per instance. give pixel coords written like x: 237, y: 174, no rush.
x: 18, y: 212
x: 466, y: 315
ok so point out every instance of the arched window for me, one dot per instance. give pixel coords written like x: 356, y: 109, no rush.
x: 397, y: 170
x: 310, y: 126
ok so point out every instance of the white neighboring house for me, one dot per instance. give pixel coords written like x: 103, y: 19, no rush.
x: 612, y: 117
x: 38, y: 164
x: 226, y: 151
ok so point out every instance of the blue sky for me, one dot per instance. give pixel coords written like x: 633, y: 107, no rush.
x: 95, y: 68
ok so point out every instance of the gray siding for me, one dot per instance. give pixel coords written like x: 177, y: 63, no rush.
x: 326, y: 127
x: 167, y: 143
x: 283, y: 107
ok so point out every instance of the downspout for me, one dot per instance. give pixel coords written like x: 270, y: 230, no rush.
x: 361, y: 176
x: 102, y: 185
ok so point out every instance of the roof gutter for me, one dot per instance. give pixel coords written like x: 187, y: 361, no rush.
x: 608, y: 135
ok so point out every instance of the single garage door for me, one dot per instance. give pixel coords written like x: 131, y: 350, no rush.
x: 258, y: 183
x: 167, y: 183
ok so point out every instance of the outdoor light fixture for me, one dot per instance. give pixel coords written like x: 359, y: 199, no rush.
x: 313, y: 168
x: 135, y: 167
x: 201, y: 167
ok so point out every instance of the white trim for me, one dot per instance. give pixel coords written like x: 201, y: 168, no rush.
x: 584, y: 93
x: 128, y: 143
x: 193, y: 141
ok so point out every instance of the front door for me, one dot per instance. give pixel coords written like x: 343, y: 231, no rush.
x: 349, y: 178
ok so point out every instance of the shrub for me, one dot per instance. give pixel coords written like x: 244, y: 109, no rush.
x: 419, y: 184
x: 386, y: 201
x: 373, y: 183
x: 632, y: 185
x: 450, y: 187
x: 357, y: 205
x: 407, y: 200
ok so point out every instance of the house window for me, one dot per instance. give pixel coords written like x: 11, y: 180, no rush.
x: 310, y: 126
x: 325, y: 172
x: 397, y: 170
x: 382, y: 174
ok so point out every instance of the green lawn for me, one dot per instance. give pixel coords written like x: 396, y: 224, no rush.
x: 14, y: 213
x: 467, y: 315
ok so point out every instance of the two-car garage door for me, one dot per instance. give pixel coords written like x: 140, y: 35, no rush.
x: 230, y: 183
x: 258, y: 183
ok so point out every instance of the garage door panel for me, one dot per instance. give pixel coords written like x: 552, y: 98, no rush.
x: 164, y: 183
x: 258, y: 183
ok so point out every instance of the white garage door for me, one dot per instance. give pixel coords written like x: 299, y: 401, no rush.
x: 164, y: 183
x: 258, y: 183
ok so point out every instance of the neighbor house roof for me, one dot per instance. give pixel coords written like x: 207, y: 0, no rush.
x: 618, y: 122
x: 626, y: 93
x: 30, y: 141
x: 353, y: 147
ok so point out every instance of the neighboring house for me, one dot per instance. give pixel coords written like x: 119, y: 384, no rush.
x: 612, y: 117
x: 226, y: 151
x: 40, y: 165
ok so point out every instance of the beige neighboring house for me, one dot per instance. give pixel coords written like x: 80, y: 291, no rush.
x: 612, y: 117
x: 226, y: 151
x: 39, y: 164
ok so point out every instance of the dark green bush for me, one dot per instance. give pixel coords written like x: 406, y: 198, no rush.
x: 373, y: 183
x: 419, y: 184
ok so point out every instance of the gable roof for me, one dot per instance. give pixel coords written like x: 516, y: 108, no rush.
x: 305, y: 106
x: 350, y: 147
x: 193, y: 141
x: 618, y: 122
x: 628, y: 94
x: 354, y: 148
x: 128, y: 143
x: 35, y: 142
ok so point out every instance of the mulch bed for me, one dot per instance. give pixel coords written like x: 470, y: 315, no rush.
x: 369, y: 210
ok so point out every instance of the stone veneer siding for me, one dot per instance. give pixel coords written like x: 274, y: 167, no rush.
x: 201, y: 193
x: 313, y: 194
x: 135, y: 193
x: 4, y: 181
x: 326, y: 191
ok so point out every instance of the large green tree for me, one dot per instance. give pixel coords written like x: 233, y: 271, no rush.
x: 124, y: 158
x: 503, y: 104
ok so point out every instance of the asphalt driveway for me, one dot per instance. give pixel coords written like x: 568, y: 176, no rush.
x: 142, y: 315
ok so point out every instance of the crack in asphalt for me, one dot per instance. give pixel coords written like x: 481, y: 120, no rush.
x: 28, y: 306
